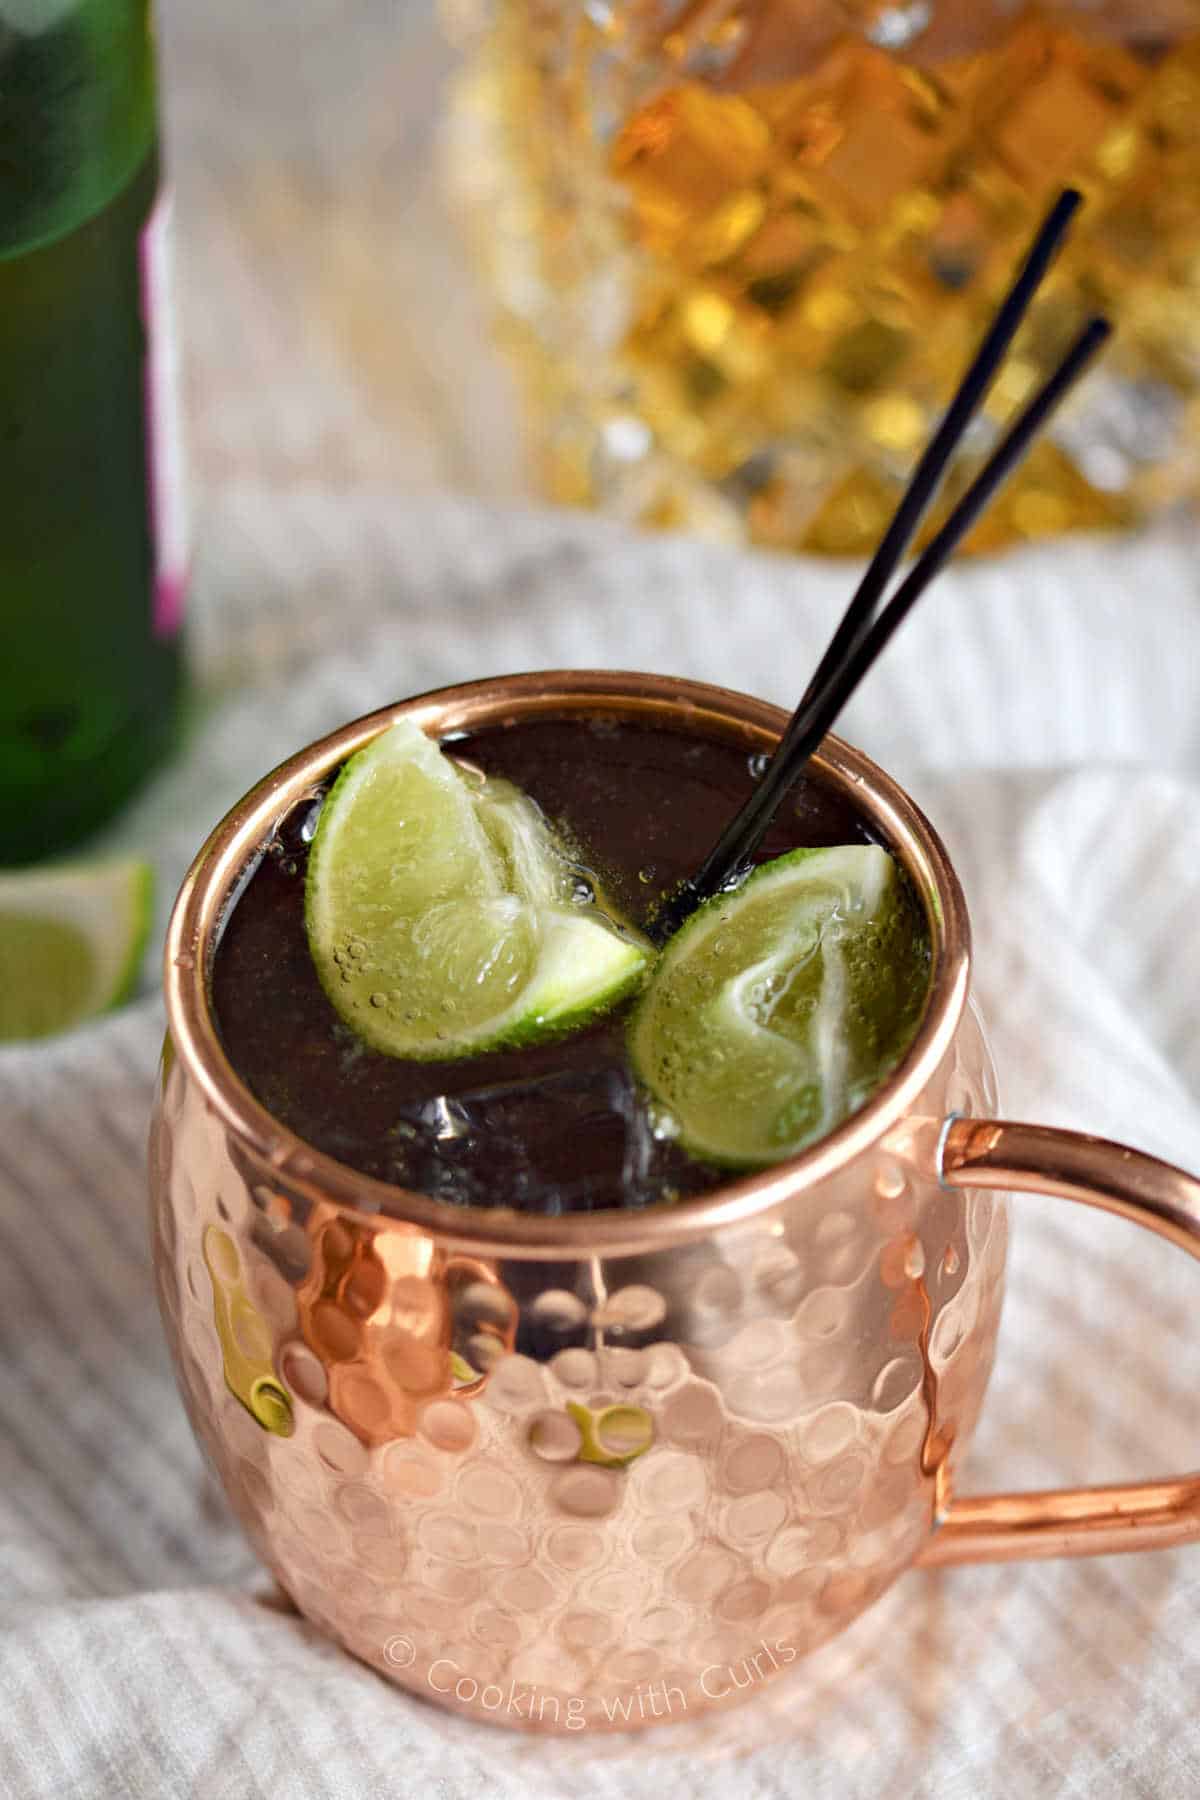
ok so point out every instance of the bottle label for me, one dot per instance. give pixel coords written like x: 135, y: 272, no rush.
x: 167, y: 496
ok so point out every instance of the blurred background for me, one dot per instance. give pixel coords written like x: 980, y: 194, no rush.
x: 395, y: 317
x: 334, y: 331
x: 707, y: 266
x: 737, y: 255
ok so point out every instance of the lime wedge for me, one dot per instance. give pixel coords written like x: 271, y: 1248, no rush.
x: 777, y: 1009
x: 71, y: 942
x: 441, y: 910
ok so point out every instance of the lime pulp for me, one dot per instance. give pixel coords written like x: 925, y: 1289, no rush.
x: 441, y: 910
x: 778, y: 1008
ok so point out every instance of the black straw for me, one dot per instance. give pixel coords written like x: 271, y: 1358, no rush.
x: 740, y: 837
x: 815, y: 715
x: 927, y: 476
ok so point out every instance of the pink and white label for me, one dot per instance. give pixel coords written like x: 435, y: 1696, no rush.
x: 167, y: 497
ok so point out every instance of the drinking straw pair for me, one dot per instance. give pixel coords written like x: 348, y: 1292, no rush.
x: 865, y: 627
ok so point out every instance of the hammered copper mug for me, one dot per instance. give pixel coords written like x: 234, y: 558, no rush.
x: 596, y: 1470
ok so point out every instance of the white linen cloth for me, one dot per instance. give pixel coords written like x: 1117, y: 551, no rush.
x: 1043, y: 709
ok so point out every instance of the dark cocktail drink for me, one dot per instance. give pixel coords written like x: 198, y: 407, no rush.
x: 558, y: 1125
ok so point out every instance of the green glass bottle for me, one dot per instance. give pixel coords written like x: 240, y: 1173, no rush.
x: 92, y: 553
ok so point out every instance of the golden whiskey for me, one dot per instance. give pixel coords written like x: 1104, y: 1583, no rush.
x: 743, y: 251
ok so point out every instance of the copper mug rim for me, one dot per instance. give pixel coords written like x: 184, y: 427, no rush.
x: 224, y: 863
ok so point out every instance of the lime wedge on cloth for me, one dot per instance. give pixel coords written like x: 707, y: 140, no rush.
x: 441, y: 909
x: 71, y: 942
x: 777, y: 1008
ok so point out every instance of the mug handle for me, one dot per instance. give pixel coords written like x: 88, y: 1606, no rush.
x: 1091, y: 1521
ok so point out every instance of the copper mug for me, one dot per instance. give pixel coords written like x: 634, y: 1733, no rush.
x: 592, y: 1471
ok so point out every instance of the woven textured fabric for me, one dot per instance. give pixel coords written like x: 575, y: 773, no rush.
x: 1042, y: 710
